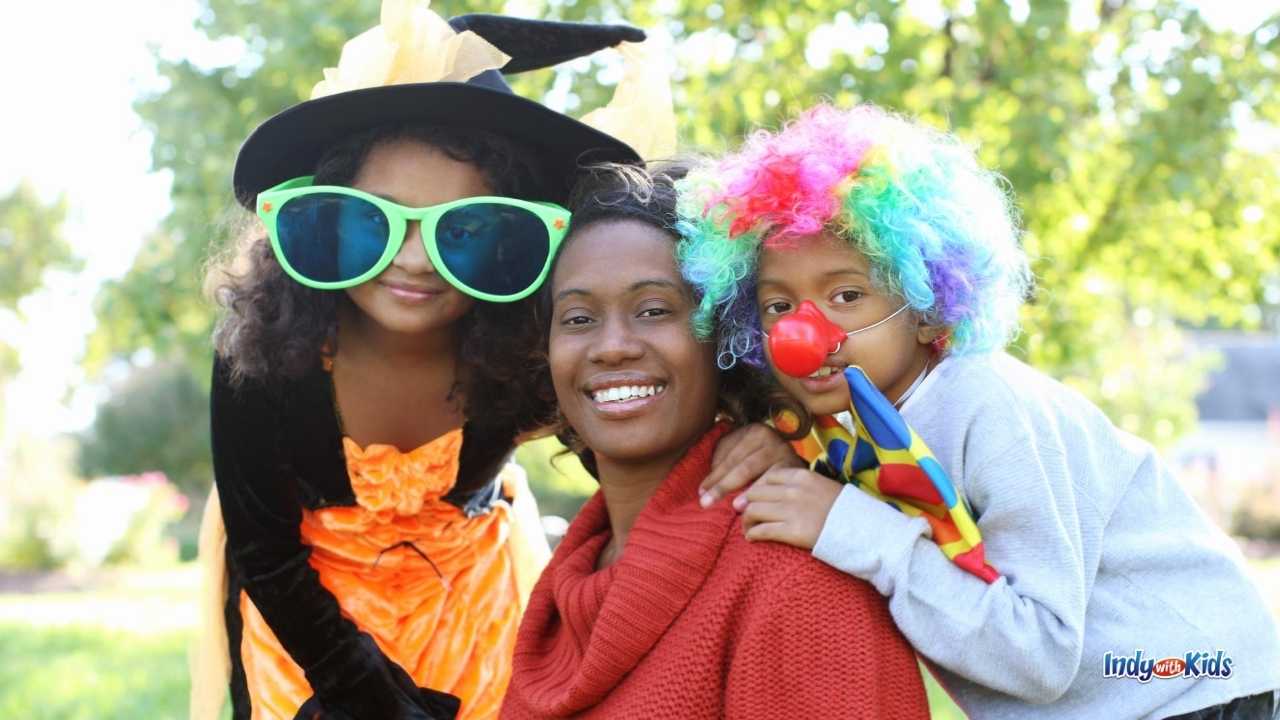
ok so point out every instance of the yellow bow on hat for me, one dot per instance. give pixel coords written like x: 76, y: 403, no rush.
x: 413, y: 44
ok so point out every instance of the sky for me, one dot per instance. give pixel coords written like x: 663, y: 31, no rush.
x: 71, y: 71
x: 75, y: 68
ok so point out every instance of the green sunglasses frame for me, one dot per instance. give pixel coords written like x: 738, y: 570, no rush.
x: 270, y: 202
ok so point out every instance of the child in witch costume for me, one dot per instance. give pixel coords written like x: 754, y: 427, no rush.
x: 874, y: 267
x: 378, y: 547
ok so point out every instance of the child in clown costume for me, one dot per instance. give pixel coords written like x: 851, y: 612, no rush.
x: 1028, y: 547
x: 378, y: 546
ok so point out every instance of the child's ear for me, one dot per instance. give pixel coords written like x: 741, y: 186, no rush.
x: 929, y: 334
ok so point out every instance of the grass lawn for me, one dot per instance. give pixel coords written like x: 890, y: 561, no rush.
x: 73, y: 673
x: 1266, y: 572
x: 107, y: 647
x: 86, y: 673
x: 120, y: 652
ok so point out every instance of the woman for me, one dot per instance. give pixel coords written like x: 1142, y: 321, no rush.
x: 375, y: 563
x: 651, y: 606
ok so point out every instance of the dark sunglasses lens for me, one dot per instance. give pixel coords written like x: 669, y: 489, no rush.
x: 329, y: 237
x: 493, y: 248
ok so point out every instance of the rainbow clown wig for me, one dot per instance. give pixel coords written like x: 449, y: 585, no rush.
x: 937, y: 229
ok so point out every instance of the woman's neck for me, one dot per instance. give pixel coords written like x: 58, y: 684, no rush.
x: 627, y: 488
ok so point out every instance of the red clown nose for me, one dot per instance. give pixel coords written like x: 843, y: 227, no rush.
x: 801, y: 341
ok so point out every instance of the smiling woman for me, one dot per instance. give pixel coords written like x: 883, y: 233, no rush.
x: 653, y: 607
x: 626, y: 370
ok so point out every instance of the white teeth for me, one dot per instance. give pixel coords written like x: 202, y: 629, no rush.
x: 823, y: 371
x: 626, y: 392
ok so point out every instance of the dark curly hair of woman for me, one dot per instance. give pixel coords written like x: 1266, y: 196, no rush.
x: 275, y: 328
x: 611, y: 193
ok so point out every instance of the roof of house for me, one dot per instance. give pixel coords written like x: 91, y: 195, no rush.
x: 1246, y: 387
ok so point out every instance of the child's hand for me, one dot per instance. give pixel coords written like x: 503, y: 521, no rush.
x: 789, y: 506
x: 742, y: 456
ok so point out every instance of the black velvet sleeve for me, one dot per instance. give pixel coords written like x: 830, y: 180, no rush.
x: 259, y: 491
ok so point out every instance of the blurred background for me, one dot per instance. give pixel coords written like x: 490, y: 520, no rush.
x: 1142, y: 140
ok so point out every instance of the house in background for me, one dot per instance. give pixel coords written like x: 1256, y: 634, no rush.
x: 1233, y: 456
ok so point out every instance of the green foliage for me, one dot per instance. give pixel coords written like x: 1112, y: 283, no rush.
x: 1258, y: 517
x: 33, y: 539
x: 143, y: 542
x: 52, y: 533
x: 157, y: 420
x: 37, y: 503
x: 1121, y: 136
x: 30, y: 242
x: 941, y: 706
x: 556, y: 478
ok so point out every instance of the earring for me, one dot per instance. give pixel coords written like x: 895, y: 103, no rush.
x: 940, y: 342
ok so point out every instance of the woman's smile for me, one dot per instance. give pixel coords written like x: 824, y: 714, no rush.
x: 618, y: 396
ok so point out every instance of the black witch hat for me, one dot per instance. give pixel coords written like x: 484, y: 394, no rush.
x: 289, y: 144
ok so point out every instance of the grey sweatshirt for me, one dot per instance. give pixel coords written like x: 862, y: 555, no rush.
x: 1106, y: 563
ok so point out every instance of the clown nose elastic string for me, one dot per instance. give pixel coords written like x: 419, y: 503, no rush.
x: 800, y: 342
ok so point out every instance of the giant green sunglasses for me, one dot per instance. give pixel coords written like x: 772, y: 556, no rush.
x: 331, y: 237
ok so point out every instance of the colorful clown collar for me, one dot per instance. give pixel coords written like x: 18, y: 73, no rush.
x: 885, y: 458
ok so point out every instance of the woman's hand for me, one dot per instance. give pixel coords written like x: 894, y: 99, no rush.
x: 742, y: 456
x: 789, y: 506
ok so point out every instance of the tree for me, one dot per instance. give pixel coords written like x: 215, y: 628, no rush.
x: 31, y: 242
x: 1120, y: 132
x: 158, y: 419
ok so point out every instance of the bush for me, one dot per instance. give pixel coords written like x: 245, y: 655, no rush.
x: 157, y: 419
x: 557, y: 479
x: 37, y: 498
x: 1257, y: 516
x: 35, y: 538
x: 122, y: 520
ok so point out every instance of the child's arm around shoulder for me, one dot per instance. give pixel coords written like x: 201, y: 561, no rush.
x: 815, y: 643
x: 1023, y: 634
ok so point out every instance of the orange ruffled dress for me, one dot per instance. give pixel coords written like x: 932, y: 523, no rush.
x: 441, y: 593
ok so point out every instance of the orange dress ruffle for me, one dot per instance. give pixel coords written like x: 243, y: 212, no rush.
x: 452, y: 627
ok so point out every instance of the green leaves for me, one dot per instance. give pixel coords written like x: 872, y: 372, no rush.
x: 31, y: 242
x: 157, y: 420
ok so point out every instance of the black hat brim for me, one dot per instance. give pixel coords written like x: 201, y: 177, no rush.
x: 291, y: 143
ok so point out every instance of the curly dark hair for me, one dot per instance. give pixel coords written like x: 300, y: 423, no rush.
x: 274, y: 327
x: 607, y: 193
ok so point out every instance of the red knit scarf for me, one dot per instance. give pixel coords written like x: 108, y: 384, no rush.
x: 612, y: 617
